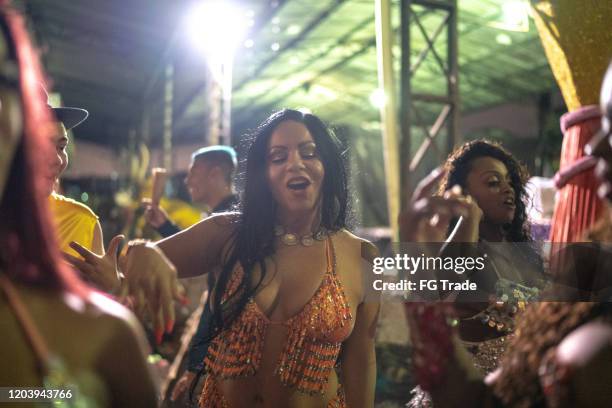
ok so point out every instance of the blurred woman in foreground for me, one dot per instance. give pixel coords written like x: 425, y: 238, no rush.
x: 56, y: 332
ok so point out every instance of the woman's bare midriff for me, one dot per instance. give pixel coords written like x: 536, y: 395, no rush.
x: 265, y: 389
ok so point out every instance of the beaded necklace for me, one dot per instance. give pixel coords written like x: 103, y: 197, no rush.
x: 291, y: 239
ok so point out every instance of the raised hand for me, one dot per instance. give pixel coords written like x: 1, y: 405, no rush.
x: 427, y: 217
x: 153, y: 285
x: 102, y: 270
x: 155, y: 215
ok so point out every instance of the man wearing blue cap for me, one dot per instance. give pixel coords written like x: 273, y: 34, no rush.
x: 210, y: 185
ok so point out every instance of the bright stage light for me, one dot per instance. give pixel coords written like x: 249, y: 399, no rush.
x: 378, y: 99
x: 293, y: 29
x: 216, y: 28
x: 514, y: 16
x: 503, y: 39
x: 515, y: 12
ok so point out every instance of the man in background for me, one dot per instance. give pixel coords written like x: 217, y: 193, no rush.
x: 210, y: 184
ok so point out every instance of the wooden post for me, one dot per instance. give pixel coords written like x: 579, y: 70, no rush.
x: 168, y: 100
x: 388, y: 112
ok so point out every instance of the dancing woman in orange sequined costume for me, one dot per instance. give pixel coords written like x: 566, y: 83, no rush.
x: 291, y: 325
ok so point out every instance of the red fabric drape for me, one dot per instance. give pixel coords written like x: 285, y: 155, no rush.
x: 577, y: 207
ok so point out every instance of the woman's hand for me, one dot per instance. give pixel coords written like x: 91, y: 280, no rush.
x: 475, y: 212
x: 469, y: 228
x: 427, y: 217
x: 102, y: 270
x: 153, y: 284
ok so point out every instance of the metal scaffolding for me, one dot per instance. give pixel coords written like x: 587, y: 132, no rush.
x: 412, y: 117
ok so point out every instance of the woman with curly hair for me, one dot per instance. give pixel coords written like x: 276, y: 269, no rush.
x: 494, y: 183
x: 561, y: 355
x: 490, y: 183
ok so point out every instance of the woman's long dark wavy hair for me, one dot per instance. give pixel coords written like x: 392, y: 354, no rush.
x: 253, y: 239
x: 459, y: 164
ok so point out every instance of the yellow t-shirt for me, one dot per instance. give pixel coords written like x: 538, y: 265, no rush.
x: 73, y: 221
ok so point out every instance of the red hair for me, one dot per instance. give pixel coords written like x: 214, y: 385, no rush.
x: 30, y: 250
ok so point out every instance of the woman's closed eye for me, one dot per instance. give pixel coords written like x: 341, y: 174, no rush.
x: 496, y: 183
x: 277, y: 156
x: 308, y: 151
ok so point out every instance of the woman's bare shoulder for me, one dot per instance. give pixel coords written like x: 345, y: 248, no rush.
x: 114, y: 312
x: 101, y: 317
x: 586, y: 353
x: 366, y: 248
x: 355, y: 257
x: 121, y: 356
x: 585, y: 344
x: 79, y: 327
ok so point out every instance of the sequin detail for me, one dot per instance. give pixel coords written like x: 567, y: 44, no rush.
x: 314, y: 338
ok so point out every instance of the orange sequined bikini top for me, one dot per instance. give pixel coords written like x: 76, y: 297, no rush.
x: 314, y: 336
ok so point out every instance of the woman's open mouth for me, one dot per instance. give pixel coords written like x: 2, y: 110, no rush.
x: 509, y: 202
x: 298, y: 184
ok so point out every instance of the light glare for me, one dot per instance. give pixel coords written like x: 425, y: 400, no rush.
x: 378, y: 99
x: 216, y: 28
x: 515, y: 17
x: 514, y: 12
x: 503, y: 39
x: 293, y: 29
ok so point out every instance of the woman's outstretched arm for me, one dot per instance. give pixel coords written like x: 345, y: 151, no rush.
x: 152, y: 269
x: 197, y: 249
